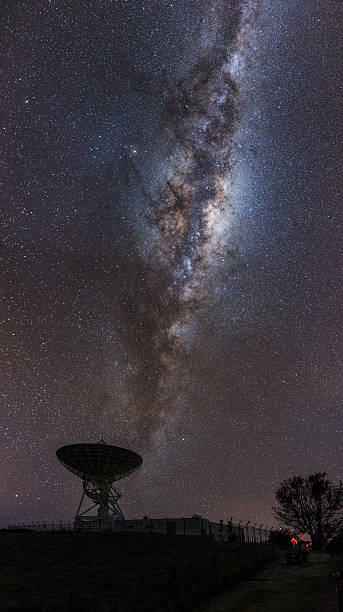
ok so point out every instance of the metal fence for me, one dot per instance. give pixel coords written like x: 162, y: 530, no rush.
x: 227, y: 532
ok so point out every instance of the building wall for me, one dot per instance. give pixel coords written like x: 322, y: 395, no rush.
x: 191, y: 526
x: 185, y: 526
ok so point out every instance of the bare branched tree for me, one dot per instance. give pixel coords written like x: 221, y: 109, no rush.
x: 311, y: 505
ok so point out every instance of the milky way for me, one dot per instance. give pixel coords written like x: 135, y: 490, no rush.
x: 170, y: 249
x: 192, y: 209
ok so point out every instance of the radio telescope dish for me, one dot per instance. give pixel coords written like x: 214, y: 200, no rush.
x: 99, y: 465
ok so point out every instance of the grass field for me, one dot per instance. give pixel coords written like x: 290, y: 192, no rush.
x: 47, y: 566
x: 51, y: 568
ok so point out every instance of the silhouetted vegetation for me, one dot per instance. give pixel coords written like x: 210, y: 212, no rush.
x: 280, y: 537
x: 311, y: 504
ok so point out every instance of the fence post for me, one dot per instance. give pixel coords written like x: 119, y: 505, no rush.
x: 247, y: 528
x: 230, y: 534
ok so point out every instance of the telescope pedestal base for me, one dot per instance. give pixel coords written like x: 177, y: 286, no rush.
x: 105, y: 501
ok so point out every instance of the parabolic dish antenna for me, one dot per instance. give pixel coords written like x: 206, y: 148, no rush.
x: 99, y: 466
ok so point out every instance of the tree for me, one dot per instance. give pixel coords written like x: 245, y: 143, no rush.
x: 311, y: 504
x: 280, y: 537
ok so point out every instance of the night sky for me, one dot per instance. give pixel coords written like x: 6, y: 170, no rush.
x: 171, y: 249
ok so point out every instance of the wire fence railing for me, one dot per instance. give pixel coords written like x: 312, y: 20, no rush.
x: 227, y: 532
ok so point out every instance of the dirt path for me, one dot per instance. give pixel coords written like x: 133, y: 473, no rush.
x: 282, y: 588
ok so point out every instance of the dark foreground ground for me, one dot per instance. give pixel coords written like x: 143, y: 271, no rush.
x: 283, y: 588
x: 61, y: 572
x: 41, y: 572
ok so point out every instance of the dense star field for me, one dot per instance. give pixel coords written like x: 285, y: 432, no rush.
x: 171, y: 249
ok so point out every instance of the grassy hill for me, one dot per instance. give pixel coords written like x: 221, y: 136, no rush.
x: 121, y: 572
